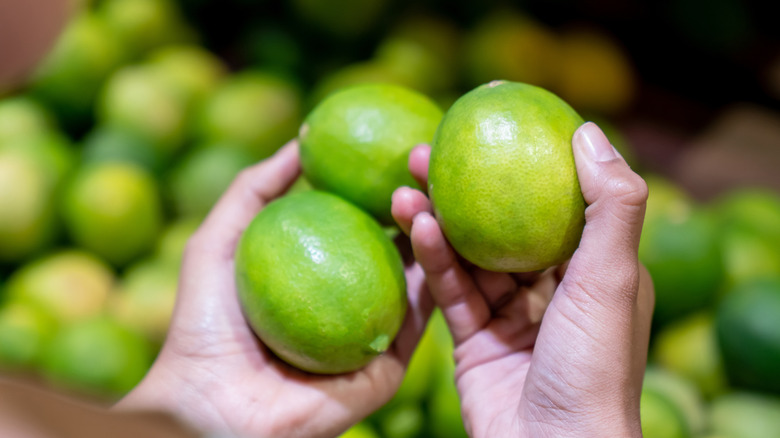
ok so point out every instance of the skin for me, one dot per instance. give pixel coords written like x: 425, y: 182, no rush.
x: 575, y: 372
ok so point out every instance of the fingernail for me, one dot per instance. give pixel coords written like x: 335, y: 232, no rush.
x: 595, y: 143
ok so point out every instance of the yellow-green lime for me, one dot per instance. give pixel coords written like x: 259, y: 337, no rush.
x: 659, y: 417
x: 97, y: 355
x: 24, y: 333
x: 320, y: 283
x: 69, y: 285
x: 502, y: 178
x: 745, y: 415
x: 681, y: 393
x: 356, y: 142
x: 748, y: 333
x: 114, y: 210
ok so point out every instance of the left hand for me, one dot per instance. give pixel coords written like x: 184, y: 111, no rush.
x: 216, y: 374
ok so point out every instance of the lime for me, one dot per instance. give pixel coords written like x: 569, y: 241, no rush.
x: 360, y: 430
x: 123, y: 145
x: 202, y: 175
x: 681, y: 249
x: 70, y: 285
x: 27, y: 218
x: 748, y: 333
x: 356, y: 143
x: 320, y: 283
x: 745, y: 415
x: 114, y: 210
x: 509, y: 45
x: 145, y: 297
x: 688, y: 347
x: 403, y: 421
x: 140, y: 98
x: 192, y: 69
x: 681, y: 393
x: 142, y: 25
x: 174, y: 237
x: 22, y: 116
x: 660, y: 418
x: 97, y: 355
x: 69, y: 79
x: 253, y: 109
x: 24, y: 333
x: 502, y: 178
x: 594, y: 72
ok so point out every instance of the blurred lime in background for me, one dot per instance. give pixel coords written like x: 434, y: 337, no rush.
x: 24, y: 334
x: 69, y: 285
x: 745, y: 415
x: 113, y: 209
x: 118, y: 144
x: 22, y: 116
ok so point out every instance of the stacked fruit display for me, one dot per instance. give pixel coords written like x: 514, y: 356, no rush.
x: 142, y: 114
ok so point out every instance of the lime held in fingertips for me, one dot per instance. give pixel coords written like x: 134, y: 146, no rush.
x: 502, y: 178
x: 320, y: 283
x: 356, y: 143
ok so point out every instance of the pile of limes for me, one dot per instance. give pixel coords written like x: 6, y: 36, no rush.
x: 145, y: 110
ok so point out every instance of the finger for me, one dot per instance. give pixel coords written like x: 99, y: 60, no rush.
x: 252, y: 189
x: 497, y: 287
x: 418, y: 164
x: 405, y: 204
x: 453, y: 290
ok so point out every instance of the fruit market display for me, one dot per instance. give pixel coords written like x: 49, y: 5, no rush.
x: 124, y: 137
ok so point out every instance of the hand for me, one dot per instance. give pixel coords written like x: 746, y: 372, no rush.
x: 213, y: 371
x: 559, y: 353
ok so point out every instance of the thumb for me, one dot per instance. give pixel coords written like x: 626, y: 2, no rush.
x: 595, y: 332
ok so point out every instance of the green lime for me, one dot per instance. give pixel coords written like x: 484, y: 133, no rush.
x: 174, y: 237
x: 681, y: 393
x: 403, y: 421
x: 748, y: 333
x: 22, y: 116
x: 142, y: 25
x: 360, y: 430
x: 356, y: 143
x: 688, y: 347
x: 502, y: 178
x: 69, y: 285
x: 145, y: 297
x: 191, y: 69
x: 660, y: 418
x: 320, y: 283
x: 24, y: 333
x: 253, y: 109
x: 202, y: 175
x: 123, y: 145
x: 745, y: 415
x: 680, y: 247
x: 140, y: 98
x: 97, y: 355
x: 69, y: 79
x: 113, y: 209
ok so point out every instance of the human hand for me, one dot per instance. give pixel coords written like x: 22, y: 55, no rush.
x: 558, y: 353
x: 215, y: 373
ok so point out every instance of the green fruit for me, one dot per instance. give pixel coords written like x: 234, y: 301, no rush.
x: 114, y: 210
x: 24, y: 333
x: 70, y: 285
x: 173, y: 239
x: 145, y: 297
x: 201, y: 176
x: 403, y: 421
x: 356, y: 143
x: 502, y: 178
x: 660, y: 418
x: 97, y: 355
x: 122, y: 145
x: 748, y: 332
x: 140, y: 98
x: 253, y: 109
x: 681, y: 393
x: 22, y: 116
x: 745, y: 415
x: 689, y: 348
x: 680, y: 247
x: 191, y: 69
x: 320, y: 283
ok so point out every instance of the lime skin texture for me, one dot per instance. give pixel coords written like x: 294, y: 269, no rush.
x: 502, y: 178
x: 320, y: 283
x: 356, y: 143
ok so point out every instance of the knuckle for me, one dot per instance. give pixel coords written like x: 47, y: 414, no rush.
x: 629, y: 189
